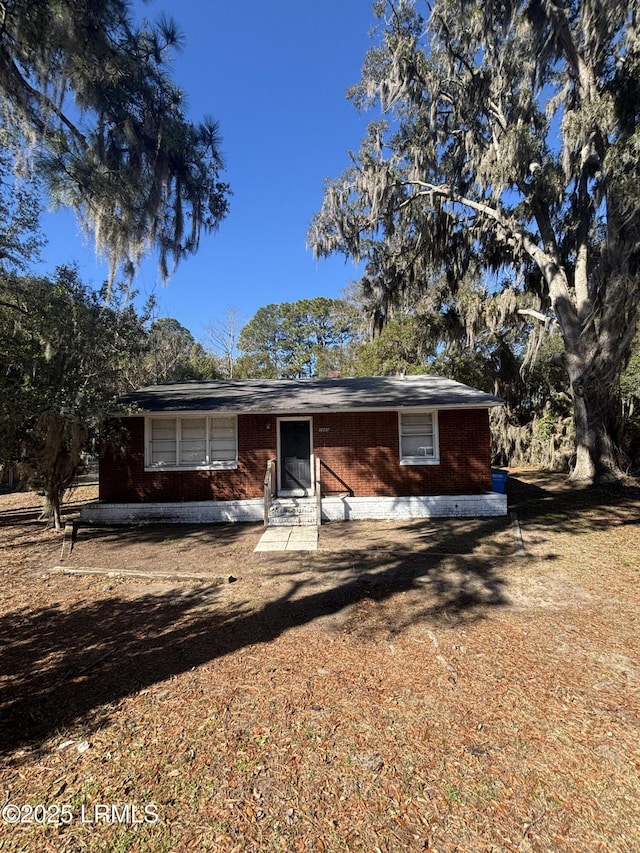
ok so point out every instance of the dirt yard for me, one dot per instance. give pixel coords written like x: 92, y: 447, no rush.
x: 410, y: 686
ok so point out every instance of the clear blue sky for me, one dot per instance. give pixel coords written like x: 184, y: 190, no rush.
x: 275, y: 76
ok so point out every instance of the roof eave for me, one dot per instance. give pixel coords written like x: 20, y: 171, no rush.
x: 222, y: 410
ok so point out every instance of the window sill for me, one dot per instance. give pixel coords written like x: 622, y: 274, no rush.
x: 419, y: 460
x: 220, y: 466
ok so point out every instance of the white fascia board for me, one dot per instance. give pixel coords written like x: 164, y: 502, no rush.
x: 279, y: 413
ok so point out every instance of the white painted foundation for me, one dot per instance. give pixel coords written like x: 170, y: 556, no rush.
x: 333, y: 509
x: 424, y: 506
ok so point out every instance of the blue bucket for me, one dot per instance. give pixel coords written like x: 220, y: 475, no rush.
x: 498, y: 480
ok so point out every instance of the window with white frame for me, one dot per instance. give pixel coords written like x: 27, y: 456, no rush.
x: 419, y: 438
x: 194, y: 442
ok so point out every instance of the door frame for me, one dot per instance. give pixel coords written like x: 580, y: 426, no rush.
x: 295, y: 492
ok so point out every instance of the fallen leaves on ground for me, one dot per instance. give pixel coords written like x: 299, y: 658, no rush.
x: 410, y: 686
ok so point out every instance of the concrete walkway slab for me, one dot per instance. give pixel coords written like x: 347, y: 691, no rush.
x: 288, y: 539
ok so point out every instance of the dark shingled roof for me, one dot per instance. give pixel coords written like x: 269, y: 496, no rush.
x: 309, y: 395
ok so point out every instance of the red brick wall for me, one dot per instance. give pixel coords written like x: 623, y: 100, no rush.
x: 362, y: 450
x: 359, y: 451
x: 123, y: 478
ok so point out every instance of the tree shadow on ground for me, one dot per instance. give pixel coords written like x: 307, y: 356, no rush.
x: 35, y: 505
x: 547, y: 499
x: 24, y: 527
x: 158, y: 534
x: 62, y: 666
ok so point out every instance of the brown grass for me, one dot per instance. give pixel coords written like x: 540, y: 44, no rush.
x: 411, y: 686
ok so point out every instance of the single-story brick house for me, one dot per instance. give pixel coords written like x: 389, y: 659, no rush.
x: 250, y: 450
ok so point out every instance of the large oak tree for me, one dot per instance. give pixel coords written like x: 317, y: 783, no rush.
x: 88, y: 93
x: 508, y: 144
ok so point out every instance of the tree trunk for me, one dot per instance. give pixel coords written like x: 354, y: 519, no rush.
x: 594, y: 374
x: 597, y: 424
x: 51, y: 509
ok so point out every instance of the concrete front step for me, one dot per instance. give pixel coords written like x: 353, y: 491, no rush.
x: 288, y: 539
x: 292, y: 512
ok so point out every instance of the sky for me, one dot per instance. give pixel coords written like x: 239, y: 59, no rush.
x: 275, y: 76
